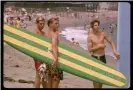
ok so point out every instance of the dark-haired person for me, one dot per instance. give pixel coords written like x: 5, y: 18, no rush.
x: 96, y: 45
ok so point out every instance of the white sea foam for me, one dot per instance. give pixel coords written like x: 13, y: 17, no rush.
x: 80, y: 35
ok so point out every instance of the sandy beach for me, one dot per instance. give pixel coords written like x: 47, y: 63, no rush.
x: 20, y: 67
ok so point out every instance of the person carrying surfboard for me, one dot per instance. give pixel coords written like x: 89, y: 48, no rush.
x: 40, y: 21
x: 96, y: 45
x: 56, y: 75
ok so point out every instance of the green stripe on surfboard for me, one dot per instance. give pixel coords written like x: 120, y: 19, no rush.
x: 65, y: 56
x: 47, y: 45
x: 61, y: 66
x: 63, y: 46
x: 62, y: 50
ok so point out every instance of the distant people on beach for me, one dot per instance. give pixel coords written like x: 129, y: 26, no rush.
x: 112, y: 26
x: 6, y: 16
x: 23, y: 25
x: 103, y: 30
x: 73, y: 42
x: 17, y: 23
x: 29, y: 17
x: 93, y: 16
x: 96, y: 17
x: 11, y: 21
x: 89, y: 29
x: 85, y: 24
x: 75, y: 15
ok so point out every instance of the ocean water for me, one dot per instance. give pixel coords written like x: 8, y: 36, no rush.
x: 80, y: 35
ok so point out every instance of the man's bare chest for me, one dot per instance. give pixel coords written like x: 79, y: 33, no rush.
x: 97, y: 39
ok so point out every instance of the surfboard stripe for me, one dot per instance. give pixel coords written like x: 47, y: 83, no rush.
x: 67, y: 68
x: 64, y: 56
x: 77, y: 57
x: 61, y: 45
x: 41, y: 52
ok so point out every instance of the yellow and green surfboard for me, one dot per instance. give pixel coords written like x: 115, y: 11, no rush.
x: 70, y: 60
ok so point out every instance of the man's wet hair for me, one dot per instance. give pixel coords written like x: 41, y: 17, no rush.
x: 39, y: 19
x: 50, y: 21
x: 94, y: 21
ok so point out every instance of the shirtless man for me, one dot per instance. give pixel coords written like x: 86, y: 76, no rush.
x: 40, y: 25
x: 56, y: 74
x: 96, y: 45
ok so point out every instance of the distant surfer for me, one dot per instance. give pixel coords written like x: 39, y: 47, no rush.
x: 96, y: 45
x: 73, y: 42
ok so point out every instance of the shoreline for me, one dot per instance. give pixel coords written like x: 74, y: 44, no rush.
x: 63, y: 40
